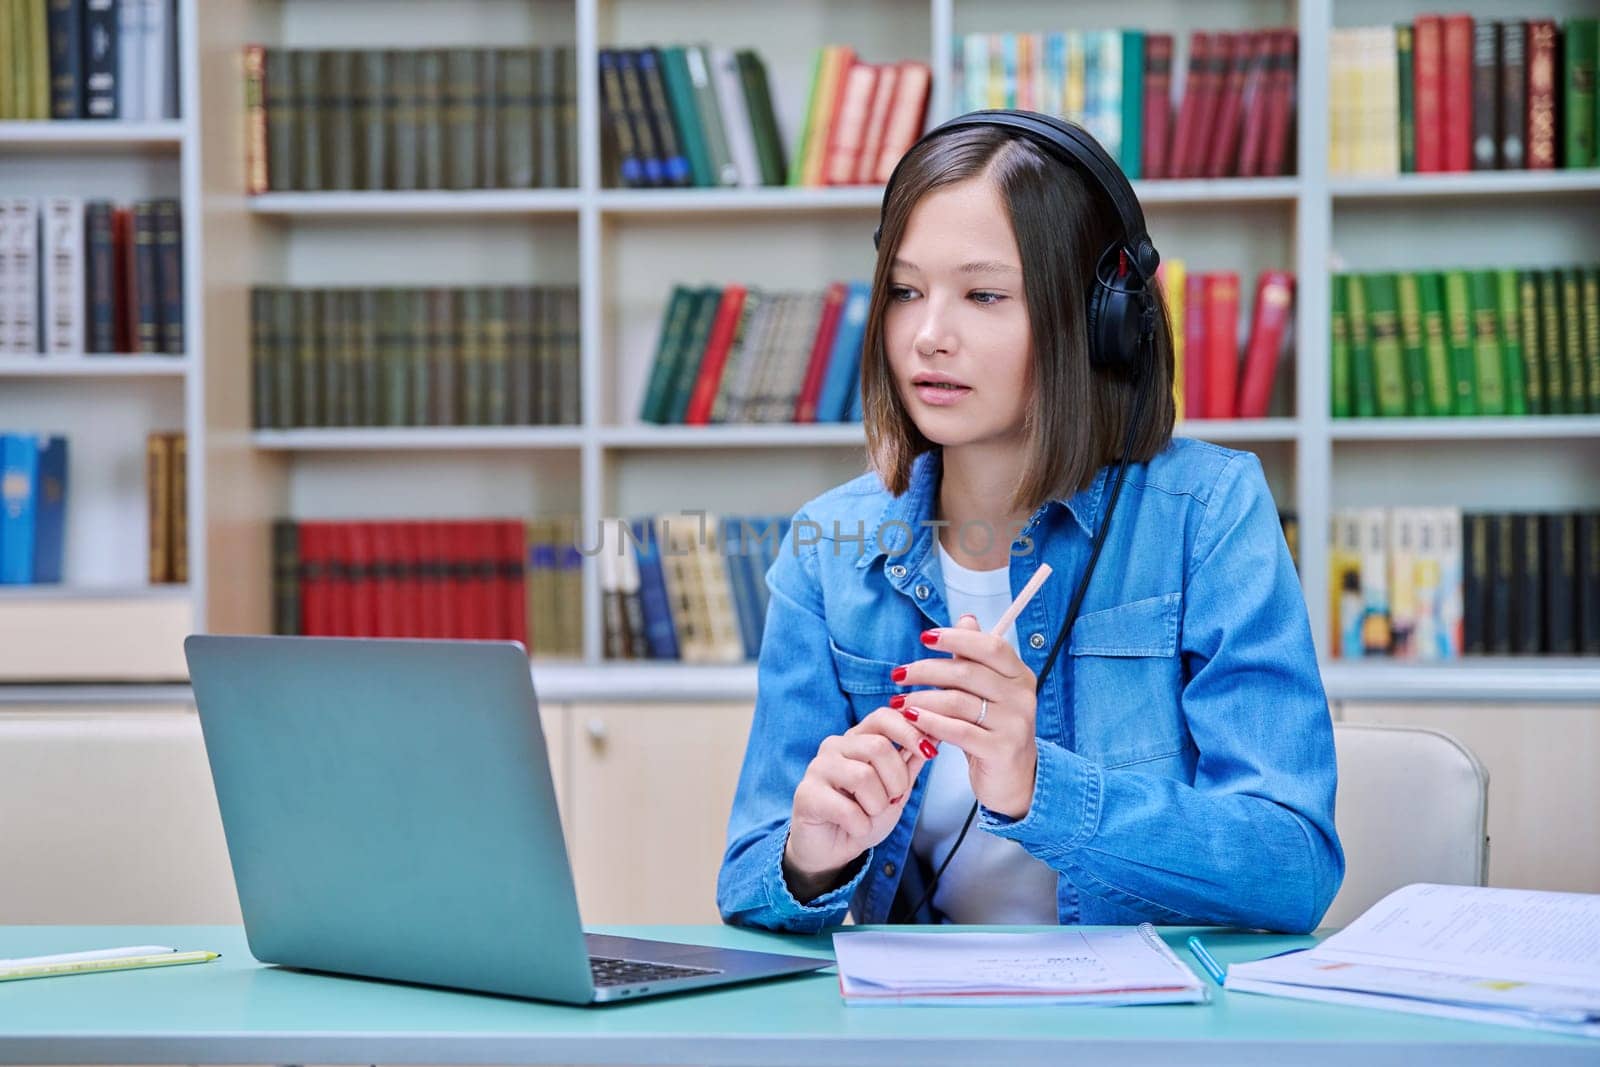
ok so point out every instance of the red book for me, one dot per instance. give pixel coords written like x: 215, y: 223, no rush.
x: 805, y: 408
x: 361, y: 619
x: 1280, y: 114
x: 1427, y: 91
x: 1221, y: 344
x: 385, y: 599
x: 336, y: 579
x: 1183, y: 133
x: 848, y: 134
x: 513, y: 582
x: 408, y: 578
x: 1157, y: 104
x: 124, y: 299
x: 877, y: 123
x: 1254, y: 105
x: 467, y: 560
x: 493, y: 623
x: 1274, y: 301
x: 907, y: 114
x: 434, y: 574
x: 1457, y: 95
x: 716, y: 356
x: 1222, y: 150
x: 1212, y: 75
x: 1542, y: 40
x: 1194, y: 354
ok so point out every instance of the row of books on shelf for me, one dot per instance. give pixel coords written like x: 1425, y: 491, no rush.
x: 89, y: 59
x: 478, y: 356
x: 90, y: 276
x: 435, y: 118
x: 33, y: 507
x: 1434, y: 584
x: 1234, y: 116
x: 415, y: 578
x: 1211, y: 379
x: 1466, y: 342
x: 166, y: 460
x: 1450, y: 93
x: 742, y: 354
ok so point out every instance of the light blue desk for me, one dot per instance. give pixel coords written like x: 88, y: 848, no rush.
x: 237, y: 1011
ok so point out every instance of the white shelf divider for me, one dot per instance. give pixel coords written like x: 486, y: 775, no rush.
x: 1515, y: 428
x: 420, y: 438
x: 1480, y: 183
x: 79, y: 134
x: 94, y: 366
x: 425, y: 203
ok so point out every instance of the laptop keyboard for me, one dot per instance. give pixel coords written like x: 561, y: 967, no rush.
x: 610, y: 972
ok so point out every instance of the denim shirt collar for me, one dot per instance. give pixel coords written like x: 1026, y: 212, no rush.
x: 906, y: 513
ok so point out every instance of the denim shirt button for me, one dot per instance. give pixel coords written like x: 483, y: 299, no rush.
x: 1037, y: 641
x: 897, y: 571
x: 888, y: 870
x: 922, y: 592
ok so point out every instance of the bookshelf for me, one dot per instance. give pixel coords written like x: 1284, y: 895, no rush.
x: 623, y: 248
x: 105, y: 631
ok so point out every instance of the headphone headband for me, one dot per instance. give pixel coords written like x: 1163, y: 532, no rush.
x: 1071, y: 144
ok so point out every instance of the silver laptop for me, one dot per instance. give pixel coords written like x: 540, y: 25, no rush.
x: 389, y: 813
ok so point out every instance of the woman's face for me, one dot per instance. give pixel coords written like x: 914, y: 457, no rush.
x: 956, y: 327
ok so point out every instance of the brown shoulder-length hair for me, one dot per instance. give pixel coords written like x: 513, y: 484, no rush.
x: 1062, y: 223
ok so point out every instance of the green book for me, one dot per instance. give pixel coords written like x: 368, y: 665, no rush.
x: 338, y: 119
x: 1580, y: 39
x: 1572, y: 340
x: 286, y: 328
x: 461, y: 101
x: 1383, y: 314
x: 674, y: 323
x: 261, y: 345
x: 496, y: 359
x: 1132, y: 143
x: 1408, y: 109
x: 1551, y: 353
x: 1590, y: 287
x: 686, y: 361
x: 1435, y: 345
x: 1528, y: 315
x: 1490, y: 377
x: 420, y: 345
x: 763, y: 121
x: 1339, y: 351
x: 309, y: 110
x: 394, y: 355
x: 1511, y: 359
x: 1409, y: 295
x: 723, y: 170
x: 680, y: 98
x: 798, y: 161
x: 308, y: 337
x: 1458, y: 335
x: 474, y: 382
x: 282, y: 103
x: 334, y: 358
x: 1362, y: 371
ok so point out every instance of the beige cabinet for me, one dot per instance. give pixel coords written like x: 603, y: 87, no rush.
x: 649, y: 787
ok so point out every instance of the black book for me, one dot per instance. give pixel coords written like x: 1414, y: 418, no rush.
x: 1588, y: 582
x: 1502, y: 582
x: 1527, y: 586
x: 1560, y: 536
x: 1475, y: 584
x: 100, y: 48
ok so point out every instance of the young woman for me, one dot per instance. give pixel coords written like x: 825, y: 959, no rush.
x: 1177, y: 763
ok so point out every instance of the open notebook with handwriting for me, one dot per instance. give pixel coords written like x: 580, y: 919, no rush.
x: 1123, y: 965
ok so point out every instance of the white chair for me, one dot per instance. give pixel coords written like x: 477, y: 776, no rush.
x: 110, y: 817
x: 1412, y: 807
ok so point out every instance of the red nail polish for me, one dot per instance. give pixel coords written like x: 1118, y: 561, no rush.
x: 897, y: 701
x: 909, y: 713
x: 930, y: 637
x: 928, y: 748
x: 898, y: 674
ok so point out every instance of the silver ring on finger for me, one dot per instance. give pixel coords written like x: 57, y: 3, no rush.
x: 983, y: 711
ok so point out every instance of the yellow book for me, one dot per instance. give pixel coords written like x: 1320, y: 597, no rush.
x: 1173, y: 276
x: 836, y: 61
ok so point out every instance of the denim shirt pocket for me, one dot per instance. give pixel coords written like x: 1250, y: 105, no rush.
x: 865, y: 681
x: 1126, y: 682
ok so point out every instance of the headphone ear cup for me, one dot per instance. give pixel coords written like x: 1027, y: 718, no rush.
x: 1113, y: 329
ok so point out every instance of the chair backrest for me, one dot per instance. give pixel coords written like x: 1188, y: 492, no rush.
x: 1412, y: 807
x: 110, y: 817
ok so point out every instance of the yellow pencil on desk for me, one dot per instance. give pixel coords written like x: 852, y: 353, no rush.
x: 120, y: 963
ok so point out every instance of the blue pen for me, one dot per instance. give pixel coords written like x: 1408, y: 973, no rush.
x: 1205, y: 959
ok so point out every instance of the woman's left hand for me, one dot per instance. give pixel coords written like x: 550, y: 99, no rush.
x: 983, y: 704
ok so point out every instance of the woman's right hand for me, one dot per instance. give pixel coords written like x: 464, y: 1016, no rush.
x: 850, y: 798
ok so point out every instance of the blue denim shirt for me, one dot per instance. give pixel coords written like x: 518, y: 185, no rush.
x: 1186, y: 767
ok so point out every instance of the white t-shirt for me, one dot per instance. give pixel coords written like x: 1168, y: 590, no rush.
x: 992, y: 879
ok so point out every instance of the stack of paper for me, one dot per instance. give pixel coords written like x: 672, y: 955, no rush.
x: 1512, y: 956
x: 1067, y: 966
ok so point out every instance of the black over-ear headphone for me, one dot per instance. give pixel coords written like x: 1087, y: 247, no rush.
x: 1121, y: 323
x: 1120, y: 312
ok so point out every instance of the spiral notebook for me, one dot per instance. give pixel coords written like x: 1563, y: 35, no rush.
x: 1116, y: 965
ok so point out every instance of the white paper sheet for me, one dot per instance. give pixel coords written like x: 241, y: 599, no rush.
x: 1121, y: 965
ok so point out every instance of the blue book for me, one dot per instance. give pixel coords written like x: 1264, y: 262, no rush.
x: 675, y: 164
x: 19, y: 474
x: 628, y: 68
x: 50, y: 510
x: 843, y: 378
x: 735, y: 552
x: 615, y: 109
x: 660, y: 635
